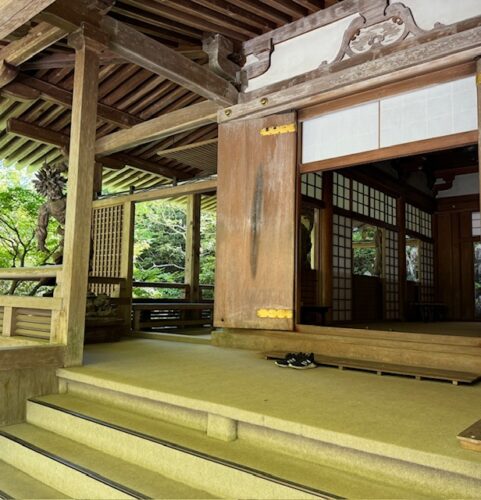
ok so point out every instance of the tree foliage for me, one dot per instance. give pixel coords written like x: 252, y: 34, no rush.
x: 160, y: 242
x: 19, y: 207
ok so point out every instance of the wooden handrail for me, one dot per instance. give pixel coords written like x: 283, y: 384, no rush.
x: 30, y: 273
x: 147, y: 284
x: 24, y: 302
x: 104, y: 280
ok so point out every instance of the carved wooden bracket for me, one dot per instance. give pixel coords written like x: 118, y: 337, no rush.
x: 262, y: 53
x: 379, y: 25
x: 221, y: 52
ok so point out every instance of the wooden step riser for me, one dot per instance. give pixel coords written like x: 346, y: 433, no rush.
x: 184, y: 417
x: 369, y: 461
x: 69, y: 481
x: 196, y: 471
x: 368, y: 458
x: 454, y: 357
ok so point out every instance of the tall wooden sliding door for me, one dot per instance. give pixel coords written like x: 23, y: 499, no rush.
x: 256, y: 205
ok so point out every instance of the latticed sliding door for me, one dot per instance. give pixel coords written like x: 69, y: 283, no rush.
x: 391, y: 275
x: 426, y: 271
x: 341, y: 268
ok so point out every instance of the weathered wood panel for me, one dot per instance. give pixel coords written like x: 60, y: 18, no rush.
x: 256, y: 225
x: 455, y: 256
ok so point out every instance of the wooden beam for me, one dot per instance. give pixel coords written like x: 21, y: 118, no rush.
x: 8, y: 73
x: 52, y: 93
x: 121, y: 160
x: 62, y: 141
x: 146, y: 52
x: 417, y: 58
x: 38, y: 38
x: 163, y: 126
x: 63, y: 60
x: 15, y: 13
x: 36, y: 133
x: 68, y: 326
x: 161, y: 60
x: 201, y: 185
x: 411, y: 148
x: 192, y: 246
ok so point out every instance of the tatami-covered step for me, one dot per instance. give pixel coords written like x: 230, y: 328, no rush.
x: 82, y: 472
x: 228, y: 469
x: 15, y: 484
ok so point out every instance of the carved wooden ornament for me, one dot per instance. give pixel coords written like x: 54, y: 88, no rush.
x: 379, y: 25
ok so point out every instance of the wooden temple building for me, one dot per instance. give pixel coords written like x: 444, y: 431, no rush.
x: 338, y: 143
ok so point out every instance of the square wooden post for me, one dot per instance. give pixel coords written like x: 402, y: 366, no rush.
x: 69, y: 323
x: 126, y: 263
x: 192, y: 246
x: 478, y: 85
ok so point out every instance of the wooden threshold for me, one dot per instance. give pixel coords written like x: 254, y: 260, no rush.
x: 418, y: 372
x: 397, y: 151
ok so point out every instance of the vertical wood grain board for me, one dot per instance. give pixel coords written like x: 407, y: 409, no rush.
x: 256, y: 209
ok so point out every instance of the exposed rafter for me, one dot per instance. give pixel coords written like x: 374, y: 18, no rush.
x: 52, y: 93
x: 146, y: 52
x: 119, y: 161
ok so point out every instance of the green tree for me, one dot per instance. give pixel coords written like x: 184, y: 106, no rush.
x: 19, y: 206
x: 159, y: 250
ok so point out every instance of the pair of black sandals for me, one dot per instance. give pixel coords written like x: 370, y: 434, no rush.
x: 298, y: 361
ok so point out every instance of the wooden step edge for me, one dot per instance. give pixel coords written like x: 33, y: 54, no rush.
x: 196, y: 453
x: 470, y: 438
x: 79, y: 468
x: 5, y: 496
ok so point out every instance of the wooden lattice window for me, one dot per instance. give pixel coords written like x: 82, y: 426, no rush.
x: 311, y: 185
x: 373, y: 203
x: 418, y: 221
x: 391, y: 274
x: 360, y: 198
x: 342, y: 268
x: 342, y: 191
x: 426, y: 271
x: 107, y: 227
x: 476, y: 223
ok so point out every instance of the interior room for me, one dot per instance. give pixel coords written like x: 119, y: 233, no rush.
x: 393, y: 245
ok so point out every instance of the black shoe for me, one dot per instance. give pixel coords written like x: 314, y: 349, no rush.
x: 303, y: 361
x: 285, y: 363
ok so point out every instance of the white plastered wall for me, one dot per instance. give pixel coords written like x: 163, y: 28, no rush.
x: 307, y: 52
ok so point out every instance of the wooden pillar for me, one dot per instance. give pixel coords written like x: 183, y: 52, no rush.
x: 402, y: 270
x: 478, y: 85
x: 192, y: 246
x: 97, y: 188
x: 69, y: 323
x: 126, y: 263
x: 326, y: 241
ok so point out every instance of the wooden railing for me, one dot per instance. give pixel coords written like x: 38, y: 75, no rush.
x: 174, y: 286
x: 29, y: 316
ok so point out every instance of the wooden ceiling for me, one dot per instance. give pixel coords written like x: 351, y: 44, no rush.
x: 135, y: 92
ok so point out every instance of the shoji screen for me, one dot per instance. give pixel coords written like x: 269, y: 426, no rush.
x: 391, y: 274
x: 342, y: 268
